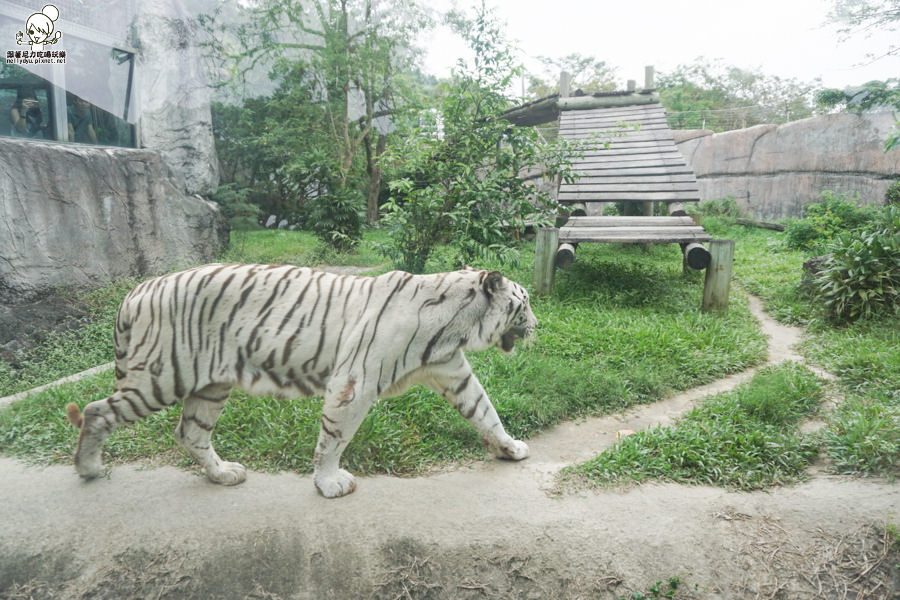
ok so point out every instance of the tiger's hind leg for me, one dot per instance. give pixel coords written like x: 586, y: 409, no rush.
x: 100, y: 418
x: 194, y: 433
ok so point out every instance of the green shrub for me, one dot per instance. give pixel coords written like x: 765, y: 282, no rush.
x: 723, y: 207
x: 823, y: 220
x: 862, y: 275
x: 235, y: 205
x: 335, y: 218
x: 892, y: 195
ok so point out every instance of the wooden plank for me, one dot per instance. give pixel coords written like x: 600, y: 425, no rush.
x: 624, y: 169
x: 566, y: 196
x: 612, y: 154
x: 648, y: 179
x: 641, y: 160
x: 630, y: 222
x: 571, y: 235
x: 599, y: 185
x: 624, y: 147
x: 627, y: 128
x: 655, y: 123
x: 664, y: 137
x: 585, y: 121
x: 613, y: 111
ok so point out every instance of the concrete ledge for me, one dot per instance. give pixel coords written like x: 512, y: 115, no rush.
x: 22, y: 395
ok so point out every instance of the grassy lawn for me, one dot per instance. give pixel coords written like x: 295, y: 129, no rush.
x: 730, y: 441
x: 622, y: 328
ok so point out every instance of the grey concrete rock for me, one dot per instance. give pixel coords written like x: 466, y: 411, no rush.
x: 78, y: 216
x: 773, y: 170
x: 172, y: 88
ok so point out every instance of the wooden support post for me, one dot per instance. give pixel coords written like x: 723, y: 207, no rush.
x: 649, y: 73
x: 545, y: 260
x: 565, y: 82
x: 718, y: 275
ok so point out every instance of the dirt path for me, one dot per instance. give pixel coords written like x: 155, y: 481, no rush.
x: 492, y: 530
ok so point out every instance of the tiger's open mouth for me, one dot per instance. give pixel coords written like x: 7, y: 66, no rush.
x: 508, y: 339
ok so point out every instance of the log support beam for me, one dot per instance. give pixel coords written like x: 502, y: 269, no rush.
x: 545, y: 260
x: 718, y: 276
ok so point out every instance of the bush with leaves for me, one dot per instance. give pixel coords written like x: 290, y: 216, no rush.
x: 241, y: 214
x: 861, y: 277
x: 892, y: 194
x: 873, y: 94
x: 336, y: 218
x: 823, y: 220
x: 457, y: 179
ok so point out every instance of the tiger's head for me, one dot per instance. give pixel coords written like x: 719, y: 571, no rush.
x: 509, y: 315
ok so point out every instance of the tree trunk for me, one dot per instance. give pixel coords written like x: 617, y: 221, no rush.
x: 373, y: 166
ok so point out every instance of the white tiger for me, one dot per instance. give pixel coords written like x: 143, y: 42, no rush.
x: 295, y: 331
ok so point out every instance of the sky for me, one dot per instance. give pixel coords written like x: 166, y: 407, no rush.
x: 786, y: 38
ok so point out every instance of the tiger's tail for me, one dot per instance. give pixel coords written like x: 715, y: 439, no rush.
x: 74, y: 415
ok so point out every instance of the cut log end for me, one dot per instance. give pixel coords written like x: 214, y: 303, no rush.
x: 565, y: 255
x: 696, y: 256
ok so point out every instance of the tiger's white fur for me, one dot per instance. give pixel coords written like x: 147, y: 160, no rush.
x: 294, y: 331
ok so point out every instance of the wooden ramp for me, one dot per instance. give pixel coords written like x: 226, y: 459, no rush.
x: 642, y: 162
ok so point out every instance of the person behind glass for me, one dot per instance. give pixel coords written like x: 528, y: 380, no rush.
x: 81, y: 120
x: 26, y: 116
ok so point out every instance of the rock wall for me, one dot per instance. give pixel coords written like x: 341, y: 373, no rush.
x: 773, y: 170
x: 174, y: 99
x: 76, y: 215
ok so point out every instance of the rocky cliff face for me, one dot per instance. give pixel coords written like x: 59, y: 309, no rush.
x: 73, y: 215
x: 773, y: 170
x: 173, y: 94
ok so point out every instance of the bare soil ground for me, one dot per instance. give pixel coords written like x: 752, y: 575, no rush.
x: 490, y: 530
x: 25, y: 324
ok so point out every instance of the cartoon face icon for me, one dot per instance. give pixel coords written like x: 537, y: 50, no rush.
x: 39, y: 29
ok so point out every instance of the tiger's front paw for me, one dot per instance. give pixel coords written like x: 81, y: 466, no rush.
x: 227, y: 473
x: 339, y: 484
x: 513, y: 450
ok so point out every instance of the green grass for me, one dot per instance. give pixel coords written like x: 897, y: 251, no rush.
x: 745, y: 439
x: 863, y: 433
x: 623, y: 328
x: 766, y: 267
x: 299, y: 248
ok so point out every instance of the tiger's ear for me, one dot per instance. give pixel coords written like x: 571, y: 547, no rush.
x: 465, y: 267
x: 494, y: 282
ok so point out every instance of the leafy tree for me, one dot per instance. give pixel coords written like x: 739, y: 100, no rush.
x: 336, y: 62
x: 704, y: 86
x: 866, y: 97
x: 456, y: 172
x: 587, y: 73
x: 865, y: 16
